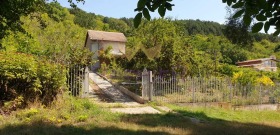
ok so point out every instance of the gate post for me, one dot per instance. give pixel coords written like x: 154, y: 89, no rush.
x: 150, y: 86
x: 86, y: 83
x: 144, y: 83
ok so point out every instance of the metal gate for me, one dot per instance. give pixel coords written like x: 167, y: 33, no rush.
x: 78, y: 80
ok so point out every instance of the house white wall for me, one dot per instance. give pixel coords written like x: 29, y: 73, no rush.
x: 118, y: 48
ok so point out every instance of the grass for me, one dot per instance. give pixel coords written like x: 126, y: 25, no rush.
x: 215, y: 113
x: 83, y: 117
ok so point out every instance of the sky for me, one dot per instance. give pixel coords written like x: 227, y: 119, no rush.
x: 207, y: 10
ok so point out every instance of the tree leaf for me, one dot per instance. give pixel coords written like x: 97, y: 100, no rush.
x: 169, y: 6
x: 261, y: 17
x: 156, y: 5
x: 276, y: 33
x: 262, y: 4
x: 141, y: 4
x: 137, y: 9
x: 148, y: 4
x: 238, y: 4
x: 238, y: 13
x: 229, y: 2
x: 247, y: 20
x: 266, y: 27
x: 161, y: 10
x: 146, y: 14
x: 268, y: 14
x: 137, y: 20
x: 257, y: 27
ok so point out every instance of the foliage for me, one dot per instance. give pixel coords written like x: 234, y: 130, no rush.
x: 84, y: 19
x: 265, y: 80
x: 12, y: 10
x: 153, y: 45
x: 59, y: 41
x: 249, y: 76
x: 144, y: 6
x: 228, y: 70
x: 190, y: 47
x: 22, y: 75
x: 237, y: 31
x: 245, y: 76
x: 264, y: 11
x: 193, y: 27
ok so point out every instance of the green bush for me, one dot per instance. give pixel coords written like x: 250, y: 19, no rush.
x: 52, y: 77
x: 26, y: 76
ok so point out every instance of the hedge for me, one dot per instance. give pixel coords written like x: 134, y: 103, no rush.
x: 26, y: 78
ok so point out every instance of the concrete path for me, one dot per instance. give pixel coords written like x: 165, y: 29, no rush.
x: 136, y: 110
x: 124, y: 103
x: 110, y: 90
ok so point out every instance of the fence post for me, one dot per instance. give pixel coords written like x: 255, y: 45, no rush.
x: 86, y: 83
x: 144, y: 83
x: 230, y: 89
x: 193, y: 91
x: 150, y: 85
x: 260, y: 94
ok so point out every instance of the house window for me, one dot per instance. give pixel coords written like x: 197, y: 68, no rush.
x: 267, y: 63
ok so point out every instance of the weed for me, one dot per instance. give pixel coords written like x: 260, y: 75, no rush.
x: 31, y: 112
x: 82, y: 118
x: 64, y: 116
x: 51, y: 119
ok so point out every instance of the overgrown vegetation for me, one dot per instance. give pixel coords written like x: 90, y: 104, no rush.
x: 34, y: 62
x: 25, y: 78
x: 37, y: 47
x: 80, y: 116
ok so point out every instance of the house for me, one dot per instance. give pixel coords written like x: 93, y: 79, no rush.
x: 264, y: 64
x: 101, y: 40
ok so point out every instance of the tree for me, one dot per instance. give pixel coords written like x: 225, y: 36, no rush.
x: 153, y: 45
x: 266, y: 12
x: 59, y: 40
x: 84, y: 19
x: 12, y: 10
x: 237, y: 31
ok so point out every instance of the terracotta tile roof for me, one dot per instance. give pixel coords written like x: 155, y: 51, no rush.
x: 106, y: 36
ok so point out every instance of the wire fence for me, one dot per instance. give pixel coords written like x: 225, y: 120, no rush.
x: 212, y: 89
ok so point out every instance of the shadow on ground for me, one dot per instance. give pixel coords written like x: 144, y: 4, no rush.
x: 206, y: 126
x: 41, y: 128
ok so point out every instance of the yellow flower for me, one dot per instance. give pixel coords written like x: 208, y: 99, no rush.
x: 265, y: 81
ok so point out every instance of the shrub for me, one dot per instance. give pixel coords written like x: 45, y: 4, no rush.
x: 52, y: 77
x: 266, y: 81
x: 18, y: 73
x: 30, y: 78
x: 245, y: 76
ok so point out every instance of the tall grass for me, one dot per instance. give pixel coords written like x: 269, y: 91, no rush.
x: 69, y: 115
x: 65, y: 110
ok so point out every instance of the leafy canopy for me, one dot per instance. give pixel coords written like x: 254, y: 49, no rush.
x: 265, y: 12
